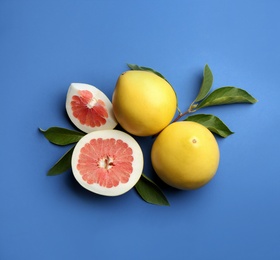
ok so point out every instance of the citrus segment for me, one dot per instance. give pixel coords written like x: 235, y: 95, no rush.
x: 98, y: 162
x: 107, y: 162
x: 89, y: 108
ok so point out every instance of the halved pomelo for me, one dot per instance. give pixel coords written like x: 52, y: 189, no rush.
x: 89, y: 108
x: 107, y: 162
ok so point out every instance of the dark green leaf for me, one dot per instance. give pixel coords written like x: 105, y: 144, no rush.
x: 136, y: 67
x: 226, y: 95
x: 150, y: 192
x: 206, y: 84
x: 62, y: 136
x: 63, y: 164
x: 213, y: 123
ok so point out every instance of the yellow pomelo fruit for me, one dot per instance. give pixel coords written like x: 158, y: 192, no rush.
x: 185, y: 155
x: 143, y: 103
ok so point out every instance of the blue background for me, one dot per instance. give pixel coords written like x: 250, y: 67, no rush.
x: 46, y: 45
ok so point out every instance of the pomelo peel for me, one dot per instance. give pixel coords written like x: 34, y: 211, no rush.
x: 185, y: 155
x: 143, y: 102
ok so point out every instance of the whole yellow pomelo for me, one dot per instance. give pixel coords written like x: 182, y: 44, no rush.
x: 143, y: 103
x: 185, y: 155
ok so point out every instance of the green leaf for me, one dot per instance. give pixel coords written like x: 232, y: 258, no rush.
x: 206, y: 84
x: 62, y: 136
x: 226, y: 95
x: 213, y: 123
x: 63, y: 164
x: 150, y: 192
x: 136, y: 67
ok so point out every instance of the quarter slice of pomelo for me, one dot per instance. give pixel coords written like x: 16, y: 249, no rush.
x: 89, y: 108
x: 107, y: 162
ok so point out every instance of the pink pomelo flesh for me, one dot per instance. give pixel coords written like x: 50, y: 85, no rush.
x: 108, y: 162
x: 89, y: 108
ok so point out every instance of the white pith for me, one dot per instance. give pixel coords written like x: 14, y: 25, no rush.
x: 106, y: 162
x: 73, y: 90
x: 92, y: 103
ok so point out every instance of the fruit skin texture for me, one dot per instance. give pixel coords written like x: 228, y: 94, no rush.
x: 185, y: 155
x: 143, y: 103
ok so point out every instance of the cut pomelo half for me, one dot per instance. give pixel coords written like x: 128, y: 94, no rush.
x: 89, y: 108
x: 107, y: 162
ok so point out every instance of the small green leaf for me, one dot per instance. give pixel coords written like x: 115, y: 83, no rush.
x: 62, y: 136
x: 213, y: 123
x: 133, y: 66
x: 206, y: 84
x: 226, y: 95
x: 150, y: 192
x: 136, y: 67
x: 63, y: 164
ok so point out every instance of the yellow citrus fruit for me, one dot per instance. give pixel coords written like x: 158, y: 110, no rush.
x: 185, y: 155
x: 143, y: 103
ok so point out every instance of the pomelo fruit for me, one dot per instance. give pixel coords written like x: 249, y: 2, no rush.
x: 107, y: 162
x: 185, y: 155
x: 143, y: 102
x: 89, y: 108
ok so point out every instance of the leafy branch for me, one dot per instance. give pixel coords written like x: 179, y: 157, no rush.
x: 221, y: 96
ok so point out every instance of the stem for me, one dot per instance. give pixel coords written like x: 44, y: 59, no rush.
x: 180, y: 116
x: 185, y: 113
